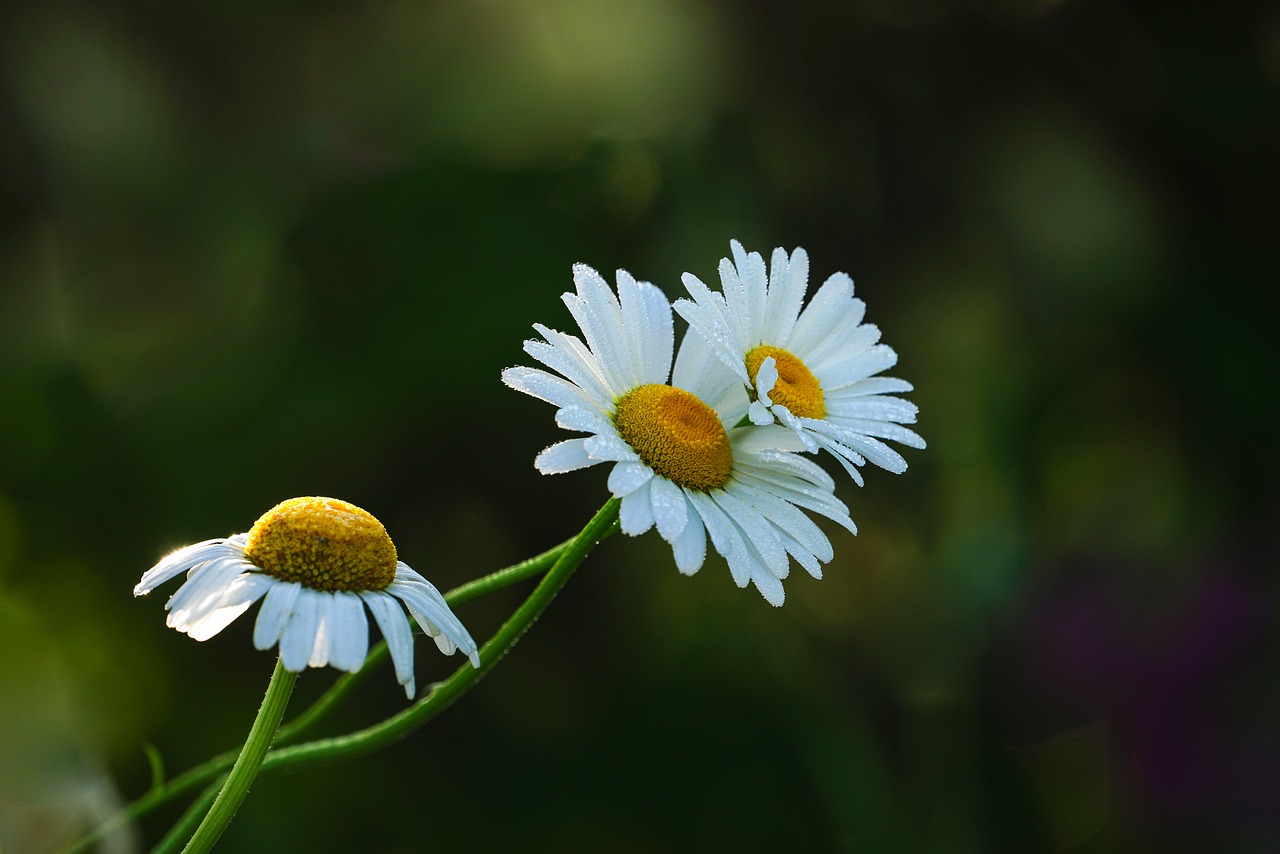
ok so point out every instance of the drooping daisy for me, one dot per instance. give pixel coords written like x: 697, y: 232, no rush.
x: 813, y: 371
x: 679, y: 462
x: 318, y: 562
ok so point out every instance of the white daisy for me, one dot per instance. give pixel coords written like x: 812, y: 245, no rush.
x: 679, y: 462
x: 318, y: 562
x: 813, y: 371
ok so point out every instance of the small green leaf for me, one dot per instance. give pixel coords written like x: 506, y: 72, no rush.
x: 156, y: 761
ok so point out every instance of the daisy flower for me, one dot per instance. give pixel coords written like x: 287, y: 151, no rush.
x: 813, y: 371
x: 316, y: 563
x: 678, y: 461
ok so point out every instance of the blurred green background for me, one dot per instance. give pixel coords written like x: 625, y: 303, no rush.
x: 256, y: 250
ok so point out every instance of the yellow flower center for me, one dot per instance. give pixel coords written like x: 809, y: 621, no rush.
x: 676, y: 435
x: 797, y: 388
x: 324, y: 543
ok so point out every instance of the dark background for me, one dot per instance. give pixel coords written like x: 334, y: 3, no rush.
x: 256, y: 250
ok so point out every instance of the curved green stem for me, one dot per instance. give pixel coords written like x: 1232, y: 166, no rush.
x: 459, y: 595
x: 400, y: 725
x: 212, y: 768
x: 190, y: 820
x: 236, y: 787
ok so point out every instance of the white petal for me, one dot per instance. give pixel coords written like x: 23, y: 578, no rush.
x: 736, y: 298
x: 191, y: 587
x: 725, y: 537
x: 766, y: 379
x: 178, y: 562
x: 823, y: 314
x: 755, y: 285
x: 648, y: 329
x: 879, y: 453
x: 702, y: 372
x: 670, y: 511
x: 739, y: 254
x: 770, y: 588
x: 660, y: 331
x: 322, y: 645
x: 805, y: 495
x: 636, y: 513
x: 875, y: 408
x: 694, y: 359
x: 732, y: 405
x: 873, y: 449
x: 690, y: 549
x: 765, y: 438
x: 697, y: 289
x: 705, y: 319
x: 443, y: 642
x: 849, y: 371
x: 847, y: 338
x: 609, y: 447
x: 423, y: 598
x: 846, y: 456
x: 757, y: 529
x: 544, y: 386
x: 274, y: 614
x: 760, y: 414
x: 745, y: 563
x: 299, y: 634
x: 583, y: 420
x: 390, y: 617
x: 349, y: 642
x: 633, y: 326
x: 797, y: 426
x: 584, y: 362
x: 791, y: 465
x: 452, y: 637
x: 627, y: 477
x: 803, y: 556
x: 877, y: 385
x: 425, y: 601
x: 203, y: 590
x: 243, y: 592
x: 881, y: 430
x: 567, y: 355
x: 569, y: 455
x: 788, y: 280
x: 769, y: 473
x: 599, y: 316
x: 787, y: 518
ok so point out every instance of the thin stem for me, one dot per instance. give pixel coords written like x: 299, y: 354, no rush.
x: 330, y: 699
x: 236, y: 787
x: 473, y: 590
x: 400, y: 725
x: 211, y: 768
x: 457, y: 596
x: 190, y: 820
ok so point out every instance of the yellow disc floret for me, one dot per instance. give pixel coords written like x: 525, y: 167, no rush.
x: 676, y: 435
x: 324, y: 543
x: 797, y: 388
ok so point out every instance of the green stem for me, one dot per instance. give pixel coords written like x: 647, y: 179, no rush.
x: 190, y: 820
x: 211, y: 768
x: 236, y: 787
x: 398, y: 726
x: 457, y: 596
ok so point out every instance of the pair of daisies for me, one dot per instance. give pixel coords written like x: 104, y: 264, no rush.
x: 710, y: 449
x: 714, y: 448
